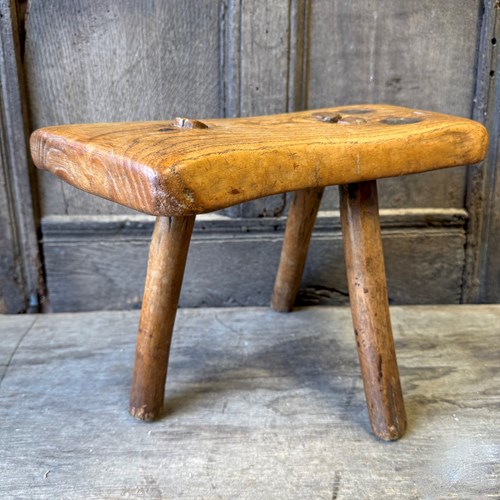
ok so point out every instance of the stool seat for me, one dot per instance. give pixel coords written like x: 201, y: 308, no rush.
x: 177, y: 169
x: 187, y: 167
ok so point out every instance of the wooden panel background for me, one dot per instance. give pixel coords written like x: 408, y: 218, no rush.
x: 214, y: 272
x: 397, y: 52
x: 121, y: 60
x: 20, y: 277
x: 88, y: 61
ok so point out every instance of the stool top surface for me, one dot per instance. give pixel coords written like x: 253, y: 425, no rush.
x: 188, y: 166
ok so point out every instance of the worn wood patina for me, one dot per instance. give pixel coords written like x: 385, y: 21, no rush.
x: 173, y: 168
x: 181, y: 168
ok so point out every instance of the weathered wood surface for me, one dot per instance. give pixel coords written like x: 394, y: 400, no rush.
x: 416, y: 53
x: 13, y: 297
x: 133, y: 57
x: 145, y: 76
x: 167, y: 259
x: 185, y: 167
x: 481, y: 269
x: 261, y: 406
x: 20, y: 273
x: 257, y: 48
x: 129, y: 80
x: 490, y: 269
x: 100, y: 263
x: 370, y: 308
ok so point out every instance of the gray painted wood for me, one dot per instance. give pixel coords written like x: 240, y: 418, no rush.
x: 413, y: 53
x: 259, y: 405
x: 100, y: 263
x: 118, y: 61
x: 19, y: 259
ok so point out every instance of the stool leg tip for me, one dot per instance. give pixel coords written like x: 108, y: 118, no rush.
x: 281, y: 306
x: 392, y: 433
x: 142, y: 413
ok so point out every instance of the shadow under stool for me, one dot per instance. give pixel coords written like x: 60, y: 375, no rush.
x: 177, y: 169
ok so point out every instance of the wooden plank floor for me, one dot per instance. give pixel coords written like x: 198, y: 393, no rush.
x: 260, y: 405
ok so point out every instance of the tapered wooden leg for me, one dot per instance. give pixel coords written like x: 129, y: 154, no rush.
x: 301, y: 217
x: 370, y: 308
x: 167, y: 259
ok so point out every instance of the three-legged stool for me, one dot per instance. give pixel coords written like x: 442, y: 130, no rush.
x: 177, y: 169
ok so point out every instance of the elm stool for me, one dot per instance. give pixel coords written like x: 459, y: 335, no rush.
x: 177, y: 169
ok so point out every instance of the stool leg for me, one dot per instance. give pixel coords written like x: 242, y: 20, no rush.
x: 301, y: 217
x: 167, y: 259
x: 370, y: 308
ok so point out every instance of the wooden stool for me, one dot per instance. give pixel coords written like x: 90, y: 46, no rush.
x: 177, y: 169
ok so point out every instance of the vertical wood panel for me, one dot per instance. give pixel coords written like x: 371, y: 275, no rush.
x: 489, y: 291
x: 481, y: 279
x: 154, y: 59
x: 19, y: 261
x: 119, y: 60
x: 414, y: 53
x: 260, y: 65
x: 264, y: 57
x: 99, y: 262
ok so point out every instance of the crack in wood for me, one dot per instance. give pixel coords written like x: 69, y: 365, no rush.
x: 13, y: 353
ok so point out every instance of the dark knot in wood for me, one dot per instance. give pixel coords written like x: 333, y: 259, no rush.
x: 338, y: 118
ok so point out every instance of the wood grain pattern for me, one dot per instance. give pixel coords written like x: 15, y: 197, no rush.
x: 417, y: 53
x: 160, y: 169
x: 264, y: 40
x: 167, y: 259
x: 20, y: 270
x: 301, y: 217
x: 257, y: 64
x: 370, y: 309
x: 143, y: 77
x: 118, y: 60
x: 260, y: 405
x: 406, y: 59
x: 481, y: 177
x: 482, y: 266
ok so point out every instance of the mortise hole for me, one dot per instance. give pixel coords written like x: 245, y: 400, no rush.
x: 327, y: 117
x: 188, y: 123
x: 356, y: 111
x: 493, y: 41
x: 492, y: 73
x: 396, y: 120
x: 352, y: 120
